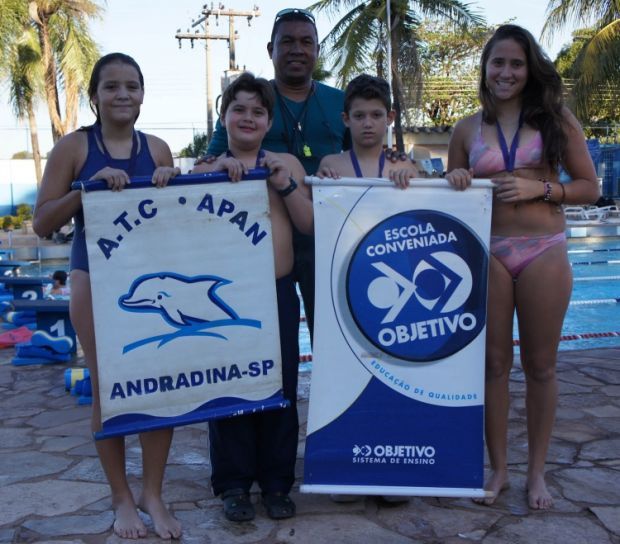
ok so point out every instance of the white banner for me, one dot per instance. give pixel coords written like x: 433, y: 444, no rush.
x: 397, y: 392
x: 184, y: 302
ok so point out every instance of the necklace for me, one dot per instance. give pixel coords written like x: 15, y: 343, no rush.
x: 294, y: 134
x: 356, y: 164
x: 259, y: 156
x: 509, y: 156
x: 134, y: 150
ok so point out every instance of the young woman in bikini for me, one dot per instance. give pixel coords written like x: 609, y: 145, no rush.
x: 111, y: 150
x: 519, y: 139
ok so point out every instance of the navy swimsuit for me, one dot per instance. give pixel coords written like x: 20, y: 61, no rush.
x: 143, y: 165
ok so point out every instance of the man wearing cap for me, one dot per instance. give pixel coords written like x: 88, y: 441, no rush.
x: 307, y: 123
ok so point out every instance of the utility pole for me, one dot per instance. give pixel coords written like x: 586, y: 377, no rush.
x: 203, y: 20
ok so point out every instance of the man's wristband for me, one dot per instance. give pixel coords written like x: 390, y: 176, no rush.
x: 288, y: 190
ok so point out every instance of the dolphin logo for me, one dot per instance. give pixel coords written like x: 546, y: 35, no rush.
x: 190, y: 304
x: 181, y: 300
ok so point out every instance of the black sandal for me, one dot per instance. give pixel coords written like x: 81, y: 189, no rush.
x: 237, y: 505
x: 279, y: 505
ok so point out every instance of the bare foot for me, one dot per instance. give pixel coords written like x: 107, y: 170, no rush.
x: 128, y: 523
x: 165, y: 524
x: 497, y: 483
x: 538, y: 496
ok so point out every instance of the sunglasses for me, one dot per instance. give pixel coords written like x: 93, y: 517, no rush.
x: 285, y: 13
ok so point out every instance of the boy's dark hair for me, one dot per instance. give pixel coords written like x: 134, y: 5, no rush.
x: 292, y: 14
x: 368, y: 88
x: 61, y: 276
x: 249, y: 83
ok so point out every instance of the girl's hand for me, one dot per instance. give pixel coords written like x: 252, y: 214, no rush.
x: 514, y: 189
x: 115, y: 178
x: 460, y: 178
x: 163, y: 174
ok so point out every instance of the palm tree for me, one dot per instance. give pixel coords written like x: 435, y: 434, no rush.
x: 23, y: 66
x: 598, y: 63
x: 68, y: 54
x: 358, y: 40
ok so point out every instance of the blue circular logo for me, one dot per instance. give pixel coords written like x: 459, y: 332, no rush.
x: 411, y: 287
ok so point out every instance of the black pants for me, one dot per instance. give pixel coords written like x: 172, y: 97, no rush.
x: 304, y: 275
x: 262, y: 447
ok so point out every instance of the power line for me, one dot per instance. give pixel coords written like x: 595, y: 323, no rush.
x: 203, y: 21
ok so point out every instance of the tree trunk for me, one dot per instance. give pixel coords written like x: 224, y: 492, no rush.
x: 34, y: 141
x: 49, y: 64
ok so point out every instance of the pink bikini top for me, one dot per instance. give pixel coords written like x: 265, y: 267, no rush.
x: 487, y: 160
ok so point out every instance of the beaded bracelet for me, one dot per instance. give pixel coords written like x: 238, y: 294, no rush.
x: 547, y: 194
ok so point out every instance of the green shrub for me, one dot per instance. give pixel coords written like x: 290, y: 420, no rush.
x: 24, y: 211
x: 7, y: 222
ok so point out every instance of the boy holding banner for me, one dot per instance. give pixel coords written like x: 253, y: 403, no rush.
x: 367, y: 114
x: 262, y: 447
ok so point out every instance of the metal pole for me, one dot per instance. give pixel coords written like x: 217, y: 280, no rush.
x: 389, y: 61
x: 209, y: 86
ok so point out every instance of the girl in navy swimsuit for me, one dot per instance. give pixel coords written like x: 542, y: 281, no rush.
x: 113, y: 151
x: 519, y: 139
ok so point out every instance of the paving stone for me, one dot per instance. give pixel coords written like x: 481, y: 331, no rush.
x: 606, y: 375
x: 72, y: 525
x: 337, y: 528
x: 54, y: 418
x: 601, y: 449
x: 88, y: 470
x: 578, y: 378
x: 551, y: 530
x: 47, y: 498
x: 28, y: 465
x: 427, y: 522
x: 41, y: 422
x: 609, y: 517
x: 606, y: 410
x: 590, y: 485
x: 576, y: 432
x: 64, y: 443
x: 11, y: 437
x: 211, y: 526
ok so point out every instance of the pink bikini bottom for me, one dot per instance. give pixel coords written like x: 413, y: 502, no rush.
x: 516, y: 252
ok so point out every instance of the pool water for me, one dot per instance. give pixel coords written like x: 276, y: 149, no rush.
x: 593, y: 283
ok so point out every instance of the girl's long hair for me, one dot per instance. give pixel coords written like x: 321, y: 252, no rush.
x: 542, y: 99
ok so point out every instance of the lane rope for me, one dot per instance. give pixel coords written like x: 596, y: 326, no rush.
x: 614, y: 261
x: 597, y: 278
x: 307, y: 357
x: 594, y: 301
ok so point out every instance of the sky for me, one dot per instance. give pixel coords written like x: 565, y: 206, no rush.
x: 175, y: 78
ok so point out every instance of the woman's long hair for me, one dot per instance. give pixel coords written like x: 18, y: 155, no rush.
x: 542, y: 100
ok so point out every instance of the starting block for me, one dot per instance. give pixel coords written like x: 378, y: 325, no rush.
x: 25, y: 287
x: 52, y: 317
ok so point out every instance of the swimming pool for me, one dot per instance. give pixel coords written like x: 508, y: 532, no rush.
x: 595, y: 301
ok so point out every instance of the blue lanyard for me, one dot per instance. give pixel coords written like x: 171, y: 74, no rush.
x: 259, y: 156
x: 356, y: 164
x: 509, y: 156
x: 132, y: 157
